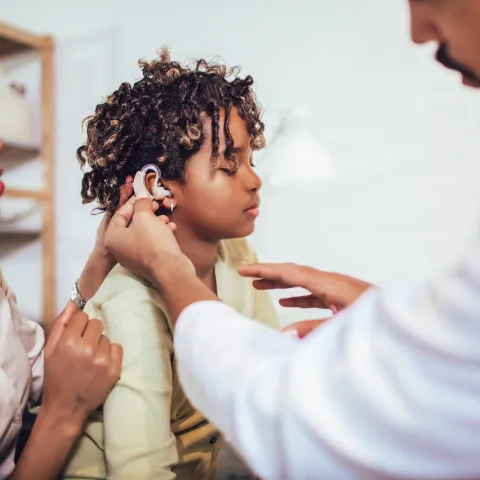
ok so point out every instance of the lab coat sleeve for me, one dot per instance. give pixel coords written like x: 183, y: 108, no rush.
x: 390, y: 388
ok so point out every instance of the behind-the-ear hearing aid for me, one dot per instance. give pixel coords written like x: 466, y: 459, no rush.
x: 140, y: 188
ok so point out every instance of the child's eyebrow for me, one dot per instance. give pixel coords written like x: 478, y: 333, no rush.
x: 238, y: 149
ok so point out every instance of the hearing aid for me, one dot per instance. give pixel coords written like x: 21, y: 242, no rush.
x: 140, y: 187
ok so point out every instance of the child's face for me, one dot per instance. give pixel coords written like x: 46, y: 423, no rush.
x: 214, y: 204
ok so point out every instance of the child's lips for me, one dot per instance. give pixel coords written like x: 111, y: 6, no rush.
x: 253, y: 211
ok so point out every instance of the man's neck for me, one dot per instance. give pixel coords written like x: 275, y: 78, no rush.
x: 201, y: 252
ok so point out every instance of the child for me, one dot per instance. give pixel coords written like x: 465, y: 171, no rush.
x: 200, y: 125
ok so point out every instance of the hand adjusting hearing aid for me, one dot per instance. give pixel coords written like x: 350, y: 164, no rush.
x: 141, y: 189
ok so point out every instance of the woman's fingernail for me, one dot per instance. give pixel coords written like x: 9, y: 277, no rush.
x: 292, y: 333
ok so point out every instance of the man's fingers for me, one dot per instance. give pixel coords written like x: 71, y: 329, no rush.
x: 306, y: 301
x: 269, y: 271
x: 171, y: 225
x: 123, y: 216
x: 143, y: 205
x: 282, y: 275
x: 262, y: 284
x: 126, y: 191
x: 304, y: 328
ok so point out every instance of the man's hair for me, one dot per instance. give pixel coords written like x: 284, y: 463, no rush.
x: 160, y: 119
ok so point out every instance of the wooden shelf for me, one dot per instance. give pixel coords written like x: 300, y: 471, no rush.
x: 19, y: 235
x: 19, y: 151
x: 25, y: 194
x: 23, y: 226
x: 14, y: 40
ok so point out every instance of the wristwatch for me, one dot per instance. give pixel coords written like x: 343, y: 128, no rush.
x: 77, y: 298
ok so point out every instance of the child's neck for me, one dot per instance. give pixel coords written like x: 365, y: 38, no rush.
x: 202, y: 254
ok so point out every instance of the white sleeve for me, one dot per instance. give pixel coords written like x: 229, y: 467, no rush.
x: 388, y: 389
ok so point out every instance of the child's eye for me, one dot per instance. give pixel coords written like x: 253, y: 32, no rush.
x: 229, y: 171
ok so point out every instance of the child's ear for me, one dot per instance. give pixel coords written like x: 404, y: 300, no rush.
x: 176, y: 194
x: 172, y: 186
x: 150, y: 181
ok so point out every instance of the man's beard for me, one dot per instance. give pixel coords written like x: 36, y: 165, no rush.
x: 444, y: 58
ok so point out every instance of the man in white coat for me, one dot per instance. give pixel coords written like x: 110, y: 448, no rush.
x: 390, y: 388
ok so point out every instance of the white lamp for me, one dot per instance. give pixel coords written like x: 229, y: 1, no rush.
x: 294, y: 156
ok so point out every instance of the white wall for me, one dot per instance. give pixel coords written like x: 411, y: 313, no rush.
x: 403, y: 133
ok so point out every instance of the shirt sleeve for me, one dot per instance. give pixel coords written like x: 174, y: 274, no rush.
x: 138, y: 440
x: 389, y: 388
x: 32, y: 337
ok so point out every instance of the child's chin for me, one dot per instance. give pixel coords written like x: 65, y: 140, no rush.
x: 247, y: 230
x: 243, y: 231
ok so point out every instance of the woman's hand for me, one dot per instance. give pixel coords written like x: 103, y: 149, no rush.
x: 99, y: 251
x: 81, y: 368
x: 101, y: 261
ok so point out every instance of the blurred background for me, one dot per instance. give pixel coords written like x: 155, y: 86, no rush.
x: 401, y: 133
x: 391, y: 138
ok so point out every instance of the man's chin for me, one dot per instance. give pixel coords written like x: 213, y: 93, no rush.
x: 469, y: 82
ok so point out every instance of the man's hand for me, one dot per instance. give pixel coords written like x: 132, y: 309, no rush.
x: 140, y: 241
x: 81, y: 368
x: 332, y: 291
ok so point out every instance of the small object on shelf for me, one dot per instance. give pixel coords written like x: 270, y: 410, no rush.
x: 16, y: 116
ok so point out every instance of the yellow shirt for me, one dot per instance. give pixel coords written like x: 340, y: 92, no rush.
x: 147, y: 428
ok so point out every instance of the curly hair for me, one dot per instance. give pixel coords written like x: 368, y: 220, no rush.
x: 160, y: 119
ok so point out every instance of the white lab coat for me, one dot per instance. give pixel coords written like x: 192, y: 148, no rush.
x: 390, y: 388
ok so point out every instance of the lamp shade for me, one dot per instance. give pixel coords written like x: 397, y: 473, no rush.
x: 294, y: 156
